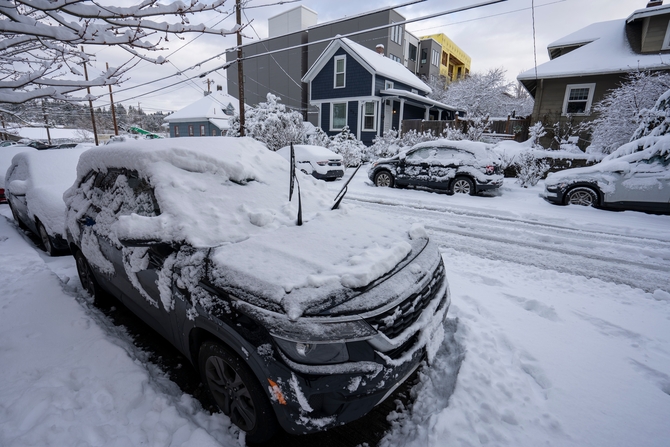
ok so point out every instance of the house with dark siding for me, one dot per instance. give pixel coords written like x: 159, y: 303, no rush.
x: 206, y: 117
x: 585, y: 65
x: 370, y: 93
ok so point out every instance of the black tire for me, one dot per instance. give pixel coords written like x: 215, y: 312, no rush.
x: 384, y: 178
x: 86, y: 275
x: 46, y: 240
x: 463, y: 185
x: 15, y: 215
x: 236, y: 391
x: 581, y: 195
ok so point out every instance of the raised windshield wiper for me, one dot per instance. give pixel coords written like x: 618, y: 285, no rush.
x: 340, y: 195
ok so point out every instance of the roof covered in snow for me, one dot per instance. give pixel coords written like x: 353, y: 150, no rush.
x: 374, y: 62
x: 605, y: 50
x: 211, y: 106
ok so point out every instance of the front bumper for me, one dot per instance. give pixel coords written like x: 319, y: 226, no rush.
x: 333, y: 174
x: 321, y: 397
x: 553, y: 195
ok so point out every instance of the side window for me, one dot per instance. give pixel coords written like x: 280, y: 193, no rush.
x: 420, y: 154
x: 120, y: 192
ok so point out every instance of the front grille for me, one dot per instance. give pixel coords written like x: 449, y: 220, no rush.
x: 395, y: 320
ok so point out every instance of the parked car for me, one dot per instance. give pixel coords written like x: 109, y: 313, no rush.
x: 35, y: 184
x: 638, y: 181
x: 464, y: 167
x: 301, y: 327
x: 318, y: 161
x: 9, y: 143
x: 6, y: 155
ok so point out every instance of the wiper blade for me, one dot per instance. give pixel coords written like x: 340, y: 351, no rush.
x: 340, y: 195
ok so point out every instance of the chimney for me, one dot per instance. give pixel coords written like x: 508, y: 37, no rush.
x: 380, y: 49
x: 653, y: 3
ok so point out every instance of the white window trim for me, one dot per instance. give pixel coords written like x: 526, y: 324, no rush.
x: 666, y: 39
x: 332, y: 116
x: 344, y: 72
x: 374, y: 117
x: 388, y: 85
x: 435, y: 58
x: 589, y: 100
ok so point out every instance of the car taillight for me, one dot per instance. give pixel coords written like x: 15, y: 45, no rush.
x: 490, y: 170
x: 322, y: 163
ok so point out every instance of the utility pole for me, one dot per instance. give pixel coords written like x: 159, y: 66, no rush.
x: 111, y: 101
x: 46, y: 121
x: 90, y: 103
x: 240, y: 72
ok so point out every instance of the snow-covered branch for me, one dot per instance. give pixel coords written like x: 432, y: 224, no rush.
x: 40, y: 40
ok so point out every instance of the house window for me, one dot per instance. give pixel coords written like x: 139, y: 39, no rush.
x: 369, y: 115
x: 340, y: 71
x: 578, y: 99
x: 176, y: 131
x: 388, y: 85
x: 412, y: 52
x: 213, y: 132
x: 435, y: 58
x: 190, y: 130
x: 666, y: 39
x: 202, y: 130
x: 424, y: 56
x: 339, y: 116
x: 396, y: 34
x: 394, y: 57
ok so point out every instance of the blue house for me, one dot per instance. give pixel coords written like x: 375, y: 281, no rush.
x: 357, y: 87
x: 208, y: 116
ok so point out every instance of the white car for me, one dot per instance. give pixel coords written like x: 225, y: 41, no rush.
x: 6, y: 155
x: 638, y: 181
x: 35, y: 184
x: 318, y: 161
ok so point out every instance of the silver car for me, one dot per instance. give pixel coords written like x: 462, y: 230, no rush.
x: 638, y: 181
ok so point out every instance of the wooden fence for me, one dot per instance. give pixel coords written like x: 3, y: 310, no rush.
x: 508, y: 129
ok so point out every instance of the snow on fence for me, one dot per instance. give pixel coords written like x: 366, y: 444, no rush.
x: 509, y: 128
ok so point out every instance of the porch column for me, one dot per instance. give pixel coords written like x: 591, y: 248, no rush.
x: 360, y: 119
x: 426, y: 117
x: 402, y: 116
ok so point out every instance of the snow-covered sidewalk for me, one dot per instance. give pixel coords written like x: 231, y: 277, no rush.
x: 67, y: 380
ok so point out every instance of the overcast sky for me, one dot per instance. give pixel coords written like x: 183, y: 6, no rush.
x: 499, y: 35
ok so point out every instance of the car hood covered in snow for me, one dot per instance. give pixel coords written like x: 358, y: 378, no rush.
x: 229, y: 196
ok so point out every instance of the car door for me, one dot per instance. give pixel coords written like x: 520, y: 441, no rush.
x: 444, y: 164
x: 645, y: 186
x: 414, y: 169
x: 132, y: 271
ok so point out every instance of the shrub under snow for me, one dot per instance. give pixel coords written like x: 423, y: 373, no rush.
x: 349, y: 147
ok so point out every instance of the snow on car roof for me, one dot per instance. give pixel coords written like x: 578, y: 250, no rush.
x: 7, y: 153
x: 305, y: 151
x: 232, y: 193
x: 478, y: 149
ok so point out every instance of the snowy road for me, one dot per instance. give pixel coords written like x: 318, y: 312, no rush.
x: 558, y: 335
x: 640, y: 262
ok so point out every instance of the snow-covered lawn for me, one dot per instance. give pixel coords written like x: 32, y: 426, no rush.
x: 538, y: 351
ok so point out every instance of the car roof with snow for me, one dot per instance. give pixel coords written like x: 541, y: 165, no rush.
x: 308, y: 151
x: 7, y: 153
x: 478, y: 149
x: 623, y: 159
x: 231, y: 194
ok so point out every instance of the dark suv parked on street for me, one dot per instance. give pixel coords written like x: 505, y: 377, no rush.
x: 464, y: 167
x: 300, y: 327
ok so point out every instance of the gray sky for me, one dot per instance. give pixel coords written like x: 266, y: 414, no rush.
x: 499, y: 35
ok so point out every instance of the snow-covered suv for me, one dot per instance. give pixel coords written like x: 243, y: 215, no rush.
x: 465, y: 167
x: 300, y: 327
x: 318, y: 161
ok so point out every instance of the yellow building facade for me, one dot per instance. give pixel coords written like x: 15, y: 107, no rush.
x: 454, y: 62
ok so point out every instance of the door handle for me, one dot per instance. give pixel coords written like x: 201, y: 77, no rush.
x: 87, y: 221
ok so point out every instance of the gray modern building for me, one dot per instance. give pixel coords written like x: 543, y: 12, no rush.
x: 302, y: 40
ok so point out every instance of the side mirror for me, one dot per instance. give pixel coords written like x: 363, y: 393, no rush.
x: 18, y: 187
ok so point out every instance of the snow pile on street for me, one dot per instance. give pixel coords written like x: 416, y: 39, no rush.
x: 67, y: 380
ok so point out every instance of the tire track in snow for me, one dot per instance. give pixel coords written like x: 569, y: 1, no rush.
x: 640, y: 262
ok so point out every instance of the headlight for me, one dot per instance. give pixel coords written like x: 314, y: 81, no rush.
x: 314, y: 353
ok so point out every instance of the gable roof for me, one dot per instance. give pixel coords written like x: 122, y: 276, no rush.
x: 208, y: 107
x: 605, y: 50
x: 372, y: 61
x: 648, y: 12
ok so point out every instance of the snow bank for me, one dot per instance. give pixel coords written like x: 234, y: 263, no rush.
x: 65, y: 381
